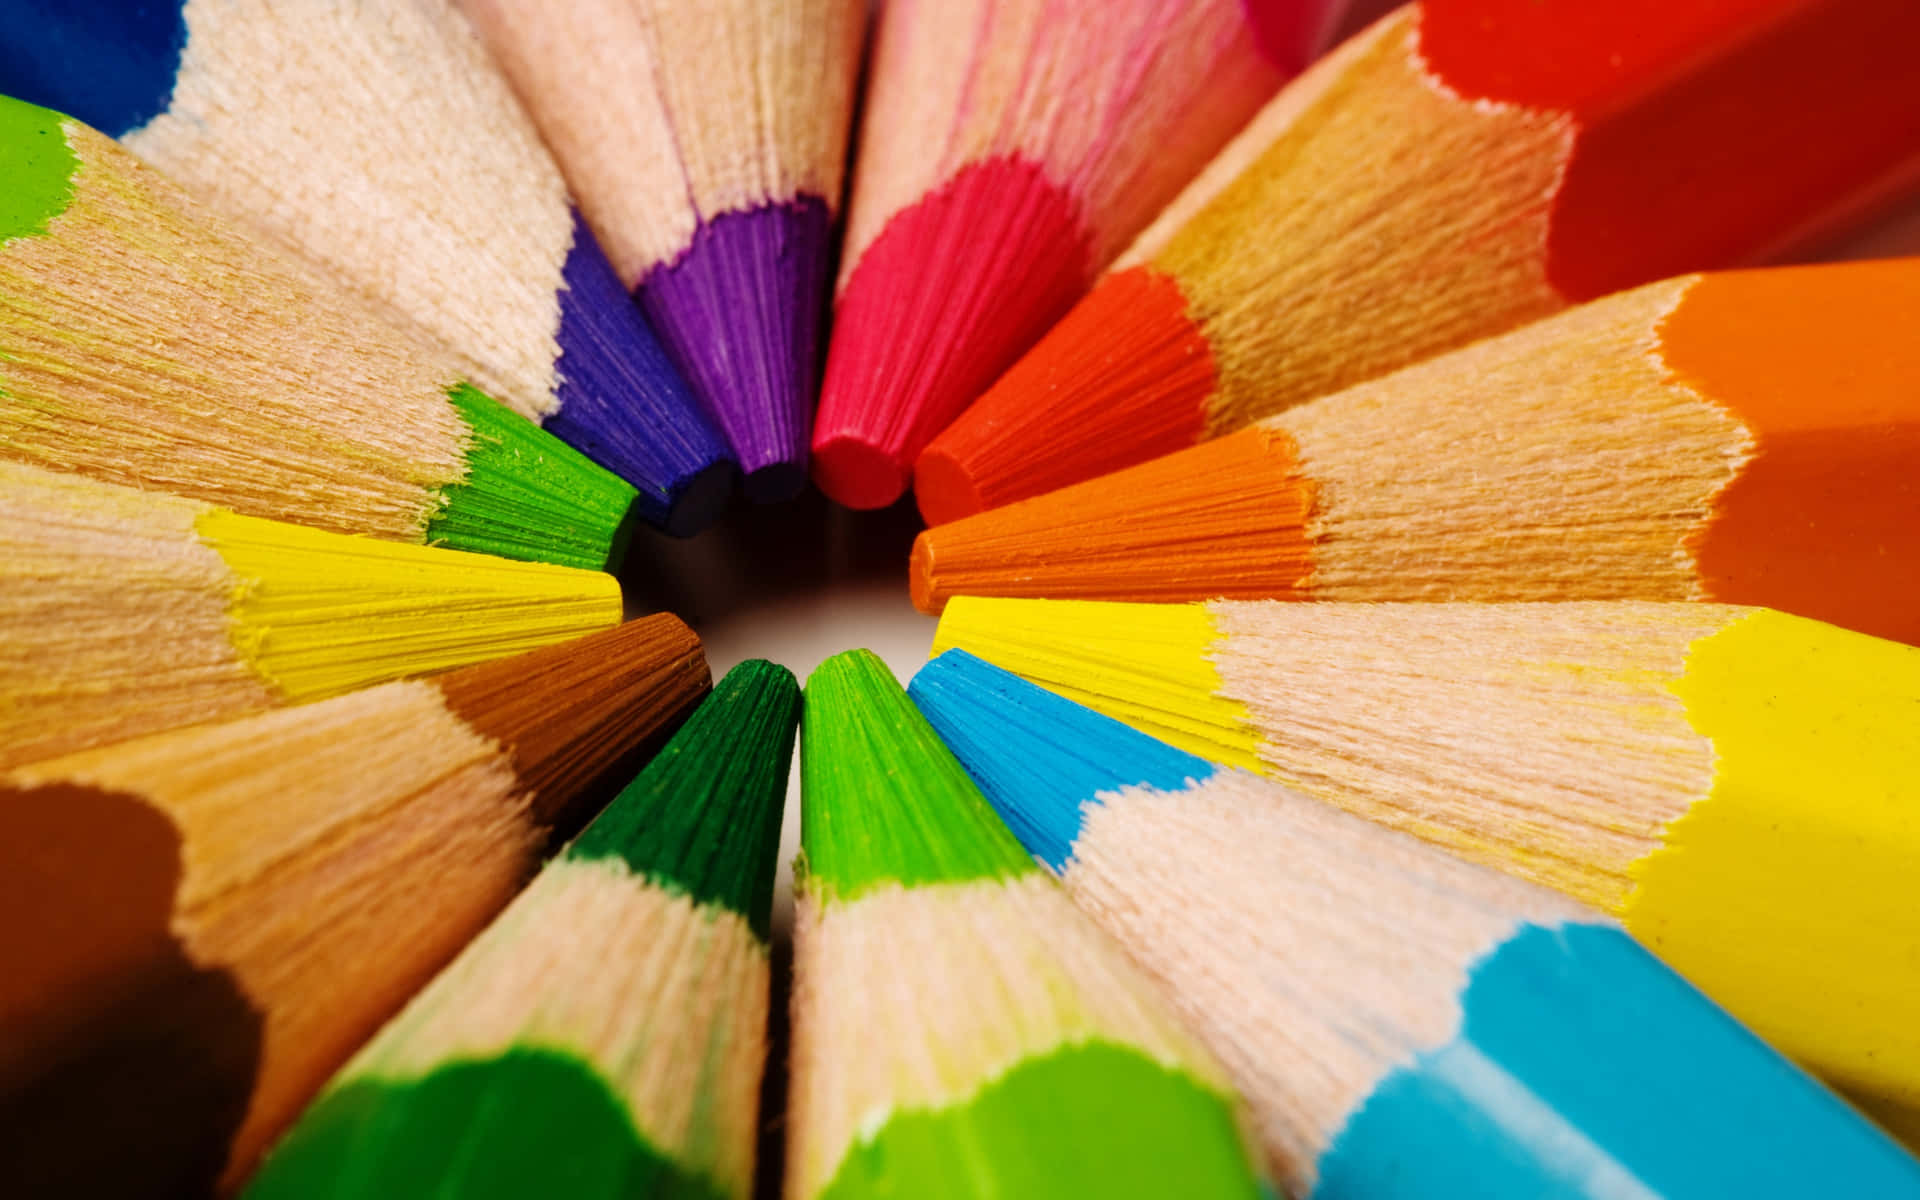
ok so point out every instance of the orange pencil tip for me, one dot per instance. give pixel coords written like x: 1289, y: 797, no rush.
x: 920, y: 574
x: 1123, y: 378
x: 1158, y: 532
x: 944, y: 488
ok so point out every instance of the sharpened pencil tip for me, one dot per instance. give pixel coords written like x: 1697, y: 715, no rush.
x: 857, y: 473
x: 944, y: 487
x: 701, y: 500
x: 776, y: 483
x: 920, y: 576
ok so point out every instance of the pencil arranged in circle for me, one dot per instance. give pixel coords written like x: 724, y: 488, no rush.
x: 125, y: 612
x: 146, y: 341
x: 706, y: 142
x: 1460, y: 168
x: 1011, y: 148
x: 605, y: 1036
x: 1747, y: 437
x: 958, y: 1029
x: 379, y: 140
x: 1402, y: 1022
x: 201, y: 926
x: 1735, y: 785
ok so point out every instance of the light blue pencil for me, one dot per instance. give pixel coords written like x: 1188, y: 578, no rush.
x: 1402, y: 1022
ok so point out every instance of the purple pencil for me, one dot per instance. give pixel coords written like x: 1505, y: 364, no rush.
x: 706, y: 144
x: 421, y: 184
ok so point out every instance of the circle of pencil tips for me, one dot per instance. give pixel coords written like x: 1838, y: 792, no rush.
x: 1460, y: 168
x: 1748, y: 437
x: 426, y: 189
x: 706, y: 142
x: 124, y: 612
x: 146, y: 341
x: 324, y: 405
x: 1735, y: 785
x: 958, y: 1029
x: 605, y: 1036
x: 201, y: 926
x: 1402, y: 1022
x: 1011, y: 148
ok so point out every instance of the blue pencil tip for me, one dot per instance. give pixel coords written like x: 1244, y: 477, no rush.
x: 624, y: 405
x: 1039, y: 757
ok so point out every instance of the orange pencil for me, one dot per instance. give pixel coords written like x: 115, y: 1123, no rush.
x: 1011, y: 148
x: 1460, y: 168
x: 1750, y: 437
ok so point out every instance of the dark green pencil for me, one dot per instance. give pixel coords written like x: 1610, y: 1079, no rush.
x: 606, y: 1036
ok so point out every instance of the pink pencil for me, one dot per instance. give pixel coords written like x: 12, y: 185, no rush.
x: 1011, y: 149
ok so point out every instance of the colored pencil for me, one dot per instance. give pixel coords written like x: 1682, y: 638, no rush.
x: 1462, y: 167
x: 706, y: 142
x: 1748, y: 437
x: 1402, y: 1022
x: 125, y: 612
x: 1010, y: 149
x: 958, y: 1029
x: 605, y: 1036
x: 1728, y: 782
x: 146, y: 341
x: 424, y: 187
x: 201, y: 926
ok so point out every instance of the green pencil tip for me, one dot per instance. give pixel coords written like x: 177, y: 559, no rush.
x: 704, y: 817
x: 38, y: 166
x: 882, y: 799
x: 529, y: 495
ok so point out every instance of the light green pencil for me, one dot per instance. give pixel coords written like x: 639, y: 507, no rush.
x: 959, y: 1028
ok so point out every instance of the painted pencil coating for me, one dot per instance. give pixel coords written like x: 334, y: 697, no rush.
x: 1460, y: 168
x: 1483, y: 1037
x: 1743, y: 437
x: 426, y: 190
x: 606, y: 1035
x: 148, y: 342
x: 706, y: 143
x: 1011, y: 147
x: 264, y: 893
x: 1019, y: 1054
x: 1734, y: 784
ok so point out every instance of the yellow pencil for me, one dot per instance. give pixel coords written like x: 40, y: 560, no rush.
x: 125, y: 612
x: 1740, y: 787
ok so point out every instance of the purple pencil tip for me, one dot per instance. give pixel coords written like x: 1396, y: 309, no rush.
x: 740, y: 312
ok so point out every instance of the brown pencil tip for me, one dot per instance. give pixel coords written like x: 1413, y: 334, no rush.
x: 568, y: 712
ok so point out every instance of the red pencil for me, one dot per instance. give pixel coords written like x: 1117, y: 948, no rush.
x: 1462, y: 167
x: 1011, y: 149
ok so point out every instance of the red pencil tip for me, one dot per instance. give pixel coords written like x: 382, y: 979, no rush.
x: 950, y: 292
x: 857, y: 473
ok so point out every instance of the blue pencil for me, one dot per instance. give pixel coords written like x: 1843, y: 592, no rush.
x: 379, y: 140
x: 1402, y: 1022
